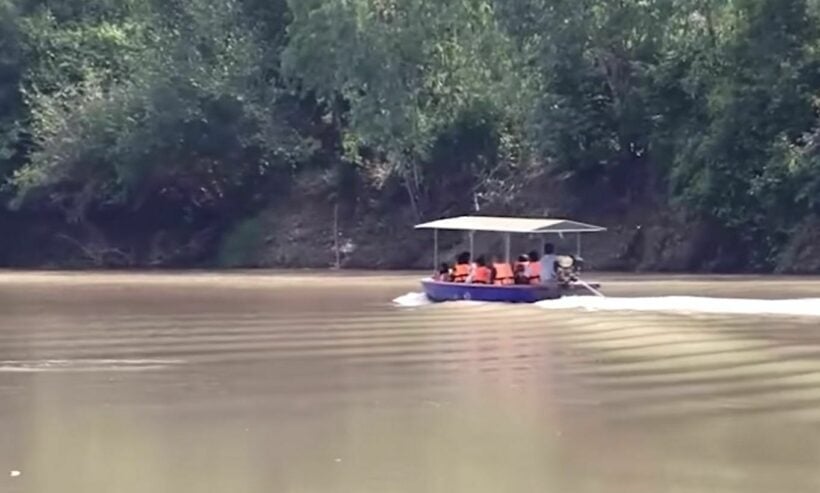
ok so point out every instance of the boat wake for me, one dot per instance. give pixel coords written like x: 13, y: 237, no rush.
x: 806, y: 307
x: 809, y: 307
x: 412, y: 300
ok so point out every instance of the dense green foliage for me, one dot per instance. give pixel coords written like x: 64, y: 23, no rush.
x: 194, y: 115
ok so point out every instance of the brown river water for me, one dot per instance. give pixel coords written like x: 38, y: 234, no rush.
x: 305, y: 382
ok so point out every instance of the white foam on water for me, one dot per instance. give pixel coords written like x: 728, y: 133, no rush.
x: 412, y: 300
x: 808, y: 307
x: 84, y: 365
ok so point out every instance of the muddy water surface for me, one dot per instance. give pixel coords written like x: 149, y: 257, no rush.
x: 285, y: 382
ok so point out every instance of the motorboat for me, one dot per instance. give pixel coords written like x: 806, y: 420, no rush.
x: 567, y: 278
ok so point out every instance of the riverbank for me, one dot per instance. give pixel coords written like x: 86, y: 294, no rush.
x: 304, y: 229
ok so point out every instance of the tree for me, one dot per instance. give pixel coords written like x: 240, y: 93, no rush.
x: 406, y: 69
x: 594, y: 116
x: 11, y: 101
x: 758, y: 98
x: 182, y: 107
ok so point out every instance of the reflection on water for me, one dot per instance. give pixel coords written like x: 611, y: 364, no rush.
x: 306, y: 383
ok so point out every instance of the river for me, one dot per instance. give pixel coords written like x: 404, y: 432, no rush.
x: 305, y: 382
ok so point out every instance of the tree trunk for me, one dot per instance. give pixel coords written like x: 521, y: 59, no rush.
x: 412, y: 194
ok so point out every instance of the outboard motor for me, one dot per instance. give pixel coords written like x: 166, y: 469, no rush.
x: 567, y: 270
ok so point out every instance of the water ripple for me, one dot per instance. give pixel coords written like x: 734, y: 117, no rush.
x: 85, y: 365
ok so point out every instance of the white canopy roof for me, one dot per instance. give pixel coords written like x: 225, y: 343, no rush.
x: 511, y: 225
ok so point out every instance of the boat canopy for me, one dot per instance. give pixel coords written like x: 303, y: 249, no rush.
x: 521, y: 225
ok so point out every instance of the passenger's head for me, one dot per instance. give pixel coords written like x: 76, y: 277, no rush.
x: 481, y: 261
x: 443, y: 268
x: 463, y: 258
x: 523, y: 258
x: 534, y: 256
x: 549, y: 249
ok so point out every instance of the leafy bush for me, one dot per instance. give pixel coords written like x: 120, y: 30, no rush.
x: 242, y: 246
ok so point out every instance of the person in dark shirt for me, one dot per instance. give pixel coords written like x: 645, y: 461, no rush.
x: 444, y: 274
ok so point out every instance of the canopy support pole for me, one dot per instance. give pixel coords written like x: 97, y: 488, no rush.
x: 435, y: 250
x: 577, y: 244
x: 507, y: 247
x: 472, y: 246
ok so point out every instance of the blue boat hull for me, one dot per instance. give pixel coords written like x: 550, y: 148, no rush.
x: 452, y: 291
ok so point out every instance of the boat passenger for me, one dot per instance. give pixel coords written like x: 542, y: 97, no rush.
x: 444, y: 274
x: 481, y: 274
x: 534, y: 268
x: 520, y: 269
x: 461, y: 271
x: 502, y: 272
x: 548, y: 263
x: 521, y: 274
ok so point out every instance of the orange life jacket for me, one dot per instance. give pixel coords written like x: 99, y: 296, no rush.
x: 503, y: 274
x: 482, y: 275
x: 461, y: 272
x: 534, y: 272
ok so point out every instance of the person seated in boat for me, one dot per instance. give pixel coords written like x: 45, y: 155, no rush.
x: 482, y: 274
x: 462, y: 270
x: 502, y: 272
x: 534, y: 268
x: 521, y: 273
x: 520, y: 269
x: 549, y: 263
x: 444, y: 274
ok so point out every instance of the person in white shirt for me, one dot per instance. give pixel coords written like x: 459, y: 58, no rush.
x: 548, y: 262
